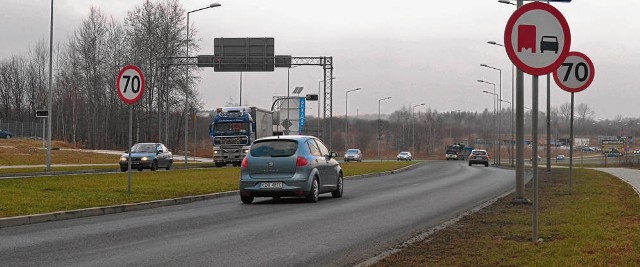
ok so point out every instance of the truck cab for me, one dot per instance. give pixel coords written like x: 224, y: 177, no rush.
x: 234, y: 129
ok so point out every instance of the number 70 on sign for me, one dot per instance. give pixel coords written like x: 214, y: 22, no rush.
x: 130, y: 84
x: 575, y: 74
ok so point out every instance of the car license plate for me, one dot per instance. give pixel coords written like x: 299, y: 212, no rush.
x: 270, y: 185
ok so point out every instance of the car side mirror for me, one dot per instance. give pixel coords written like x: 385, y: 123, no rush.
x: 333, y: 154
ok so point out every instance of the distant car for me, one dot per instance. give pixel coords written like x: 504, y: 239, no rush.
x: 479, y: 156
x: 147, y: 156
x: 560, y: 157
x: 353, y: 154
x: 6, y: 134
x: 613, y: 154
x: 539, y: 158
x: 289, y: 166
x: 404, y: 155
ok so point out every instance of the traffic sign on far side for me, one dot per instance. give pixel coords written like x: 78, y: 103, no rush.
x: 537, y: 38
x: 576, y: 73
x: 130, y: 84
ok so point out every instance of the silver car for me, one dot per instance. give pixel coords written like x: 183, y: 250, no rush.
x: 353, y: 154
x: 289, y: 166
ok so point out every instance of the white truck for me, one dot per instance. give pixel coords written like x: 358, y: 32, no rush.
x: 234, y: 129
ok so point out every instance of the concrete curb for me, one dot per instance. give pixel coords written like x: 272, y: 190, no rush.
x: 73, y: 214
x: 97, y: 211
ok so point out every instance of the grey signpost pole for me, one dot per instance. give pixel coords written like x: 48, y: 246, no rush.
x: 534, y: 151
x: 346, y: 118
x: 519, y: 198
x: 129, y: 149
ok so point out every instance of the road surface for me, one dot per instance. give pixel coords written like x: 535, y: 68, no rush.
x: 374, y: 214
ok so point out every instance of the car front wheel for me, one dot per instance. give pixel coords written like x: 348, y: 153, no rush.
x: 169, y: 165
x: 154, y: 165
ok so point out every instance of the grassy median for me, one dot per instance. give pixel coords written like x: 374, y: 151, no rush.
x: 56, y: 193
x: 597, y: 225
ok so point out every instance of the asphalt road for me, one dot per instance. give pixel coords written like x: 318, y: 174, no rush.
x: 374, y: 214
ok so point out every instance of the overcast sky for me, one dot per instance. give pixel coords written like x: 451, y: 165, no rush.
x: 414, y: 51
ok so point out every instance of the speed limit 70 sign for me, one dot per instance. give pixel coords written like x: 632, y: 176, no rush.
x: 130, y: 84
x: 575, y: 74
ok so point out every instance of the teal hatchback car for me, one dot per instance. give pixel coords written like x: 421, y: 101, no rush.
x: 290, y: 166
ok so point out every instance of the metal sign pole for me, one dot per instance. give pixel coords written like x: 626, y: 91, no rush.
x: 571, y: 146
x: 534, y: 149
x: 129, y: 150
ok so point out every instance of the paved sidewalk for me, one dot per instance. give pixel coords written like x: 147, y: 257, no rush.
x: 630, y: 176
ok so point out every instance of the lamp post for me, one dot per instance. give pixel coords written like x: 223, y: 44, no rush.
x: 50, y: 95
x: 346, y: 118
x: 499, y: 108
x: 512, y: 93
x: 380, y: 124
x: 413, y: 127
x: 186, y: 95
x: 497, y: 157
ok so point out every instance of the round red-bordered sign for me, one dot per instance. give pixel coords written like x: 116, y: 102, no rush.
x: 130, y: 84
x: 576, y: 73
x: 533, y: 29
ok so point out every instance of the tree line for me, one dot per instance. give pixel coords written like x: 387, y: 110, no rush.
x: 86, y: 109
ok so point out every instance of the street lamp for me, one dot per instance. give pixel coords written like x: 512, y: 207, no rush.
x: 496, y: 119
x: 380, y: 124
x: 506, y: 2
x: 499, y: 107
x: 320, y: 82
x: 512, y: 93
x: 413, y: 127
x: 346, y: 118
x: 186, y: 95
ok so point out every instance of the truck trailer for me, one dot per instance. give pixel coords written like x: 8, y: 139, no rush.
x: 234, y: 129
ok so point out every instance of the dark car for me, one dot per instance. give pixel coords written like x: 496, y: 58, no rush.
x: 289, y: 166
x: 147, y: 156
x: 479, y: 156
x: 6, y: 134
x: 549, y: 43
x: 353, y: 154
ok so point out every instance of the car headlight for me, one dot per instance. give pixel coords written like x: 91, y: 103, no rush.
x: 123, y: 158
x: 144, y: 158
x: 245, y: 151
x: 216, y: 152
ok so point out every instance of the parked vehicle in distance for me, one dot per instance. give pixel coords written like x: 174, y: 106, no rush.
x: 479, y: 156
x: 539, y: 158
x: 6, y: 134
x: 560, y: 157
x: 353, y: 154
x: 404, y: 155
x: 289, y: 166
x: 147, y: 156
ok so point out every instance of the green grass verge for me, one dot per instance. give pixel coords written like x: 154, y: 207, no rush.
x: 597, y: 225
x: 57, y: 193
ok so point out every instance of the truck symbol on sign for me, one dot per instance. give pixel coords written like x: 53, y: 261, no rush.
x: 527, y: 38
x: 549, y: 43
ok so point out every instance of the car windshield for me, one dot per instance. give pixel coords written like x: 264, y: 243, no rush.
x: 405, y: 153
x: 274, y: 148
x: 143, y: 148
x: 232, y: 127
x: 352, y: 151
x: 479, y: 152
